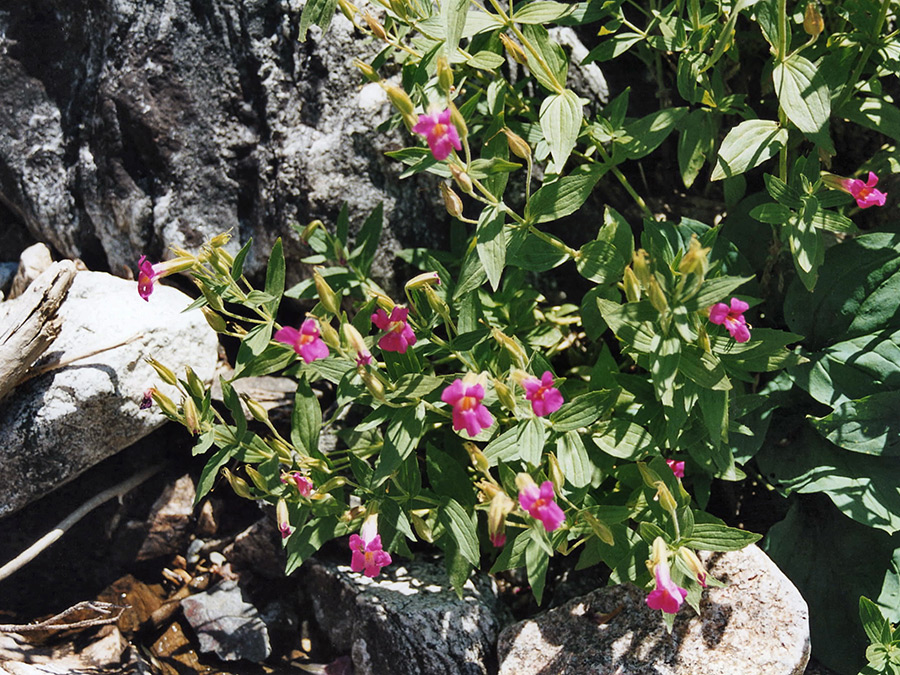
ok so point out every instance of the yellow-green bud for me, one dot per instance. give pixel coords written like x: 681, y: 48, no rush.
x: 452, y: 202
x: 257, y: 411
x: 515, y: 51
x: 212, y: 298
x: 329, y: 335
x: 215, y: 321
x: 347, y: 9
x: 423, y: 280
x: 477, y: 457
x: 511, y: 345
x: 703, y: 340
x: 640, y: 262
x: 373, y: 384
x: 327, y: 296
x: 284, y: 451
x: 813, y: 23
x: 458, y: 121
x: 696, y: 260
x: 331, y: 484
x: 399, y: 98
x: 437, y: 304
x: 517, y: 145
x: 632, y: 286
x: 368, y: 71
x: 191, y: 415
x: 505, y: 395
x: 375, y: 26
x: 218, y: 262
x: 238, y: 484
x: 220, y: 240
x: 309, y: 229
x: 599, y: 528
x: 651, y: 478
x: 422, y: 528
x: 501, y: 506
x: 283, y: 518
x: 165, y: 373
x: 462, y: 179
x: 665, y: 498
x: 693, y: 563
x: 258, y: 480
x: 444, y: 74
x: 166, y: 405
x: 399, y: 7
x: 657, y: 297
x: 556, y: 473
x: 195, y: 384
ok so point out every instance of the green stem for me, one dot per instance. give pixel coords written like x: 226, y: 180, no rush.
x: 555, y: 243
x: 864, y: 57
x: 623, y: 180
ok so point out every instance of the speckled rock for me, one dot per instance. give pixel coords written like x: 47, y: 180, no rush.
x: 58, y: 424
x: 408, y: 621
x: 756, y: 625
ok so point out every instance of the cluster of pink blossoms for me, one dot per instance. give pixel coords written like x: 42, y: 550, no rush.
x: 368, y: 555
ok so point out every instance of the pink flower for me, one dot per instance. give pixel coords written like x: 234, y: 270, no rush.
x: 368, y: 556
x: 440, y: 133
x: 147, y: 400
x: 544, y: 397
x: 365, y: 358
x: 541, y: 505
x: 469, y: 412
x: 732, y: 318
x: 147, y: 274
x: 306, y: 341
x: 667, y: 596
x: 304, y: 484
x: 498, y: 539
x: 282, y: 517
x: 865, y: 194
x: 399, y: 334
x: 677, y: 467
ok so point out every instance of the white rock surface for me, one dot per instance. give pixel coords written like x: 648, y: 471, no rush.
x: 757, y: 625
x: 56, y: 425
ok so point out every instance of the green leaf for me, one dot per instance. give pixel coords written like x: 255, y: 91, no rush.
x: 542, y: 11
x: 503, y: 448
x: 318, y: 13
x: 367, y: 240
x: 623, y: 439
x: 694, y: 144
x: 233, y: 403
x: 415, y: 386
x: 703, y: 368
x: 574, y: 460
x: 471, y: 276
x: 462, y: 528
x: 869, y: 425
x: 453, y: 19
x: 583, y: 410
x: 563, y: 196
x: 275, y: 277
x: 617, y: 232
x: 612, y: 47
x: 482, y: 168
x: 646, y: 134
x: 875, y: 114
x: 304, y: 542
x: 537, y: 561
x: 560, y: 118
x: 306, y: 419
x: 403, y: 434
x: 631, y: 322
x: 747, y: 145
x: 600, y: 262
x: 551, y: 54
x: 513, y: 554
x: 273, y: 358
x: 447, y: 475
x: 803, y: 94
x: 237, y: 268
x: 485, y: 60
x: 211, y: 470
x: 714, y: 290
x: 872, y: 620
x: 713, y: 537
x: 775, y: 214
x: 491, y: 244
x: 532, y: 253
x: 530, y: 441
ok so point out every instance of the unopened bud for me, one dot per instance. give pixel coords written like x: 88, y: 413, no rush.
x: 632, y: 286
x: 703, y: 340
x: 165, y: 373
x: 501, y: 506
x: 375, y: 26
x: 659, y: 552
x: 373, y: 384
x: 347, y: 9
x: 215, y: 321
x: 422, y: 280
x: 212, y: 298
x: 329, y: 335
x: 327, y: 296
x: 218, y: 262
x: 356, y: 343
x: 331, y: 484
x: 191, y: 415
x: 437, y: 304
x: 284, y: 451
x: 452, y: 202
x: 257, y: 478
x: 696, y: 260
x: 690, y: 559
x: 238, y: 484
x: 599, y: 528
x: 640, y: 262
x: 368, y: 71
x: 515, y: 51
x: 511, y: 345
x: 259, y: 413
x: 422, y: 528
x: 400, y: 9
x: 458, y: 121
x: 517, y: 145
x: 556, y: 473
x: 399, y: 98
x: 309, y: 229
x: 650, y: 477
x: 220, y: 240
x: 444, y: 74
x: 166, y: 405
x: 462, y: 179
x: 479, y: 461
x: 665, y: 498
x: 195, y: 384
x: 504, y: 393
x: 813, y: 23
x: 283, y: 519
x: 657, y: 297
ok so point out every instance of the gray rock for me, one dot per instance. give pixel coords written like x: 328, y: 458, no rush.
x: 169, y: 520
x: 756, y: 625
x: 226, y: 624
x: 408, y: 621
x: 58, y: 424
x: 133, y: 126
x: 7, y: 272
x: 32, y: 263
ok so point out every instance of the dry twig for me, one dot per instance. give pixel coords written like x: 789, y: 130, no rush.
x: 53, y: 623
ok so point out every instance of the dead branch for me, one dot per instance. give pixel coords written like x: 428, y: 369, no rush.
x: 54, y: 622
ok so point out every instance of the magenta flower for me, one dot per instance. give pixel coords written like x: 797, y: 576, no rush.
x: 667, y: 596
x: 304, y: 484
x: 147, y: 400
x: 399, y: 335
x: 541, y: 505
x: 677, y: 467
x: 283, y: 519
x: 368, y: 556
x: 865, y: 194
x: 544, y: 397
x: 732, y: 318
x: 306, y: 341
x: 147, y: 274
x: 440, y: 133
x: 469, y: 412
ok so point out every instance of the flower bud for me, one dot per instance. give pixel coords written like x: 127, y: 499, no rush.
x: 696, y: 260
x: 327, y: 296
x: 191, y: 415
x: 507, y: 400
x: 599, y: 528
x: 479, y: 461
x: 690, y: 559
x: 331, y: 484
x: 220, y: 240
x: 632, y: 286
x: 452, y: 202
x: 400, y: 9
x: 373, y: 384
x: 166, y: 405
x: 640, y: 261
x: 462, y: 179
x: 524, y: 481
x: 399, y: 98
x: 367, y: 71
x: 212, y: 298
x: 375, y: 26
x: 215, y: 321
x: 703, y: 340
x: 458, y: 121
x: 511, y: 345
x: 666, y: 499
x: 329, y: 334
x: 501, y: 506
x: 657, y: 297
x: 422, y: 280
x: 282, y: 517
x: 515, y: 51
x: 813, y: 23
x: 556, y: 473
x: 437, y: 304
x: 238, y: 484
x: 283, y: 450
x: 444, y: 74
x: 422, y: 528
x: 165, y: 374
x: 659, y: 552
x: 257, y: 411
x: 309, y: 229
x: 357, y: 344
x: 517, y: 145
x: 195, y: 384
x: 258, y: 479
x: 218, y: 263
